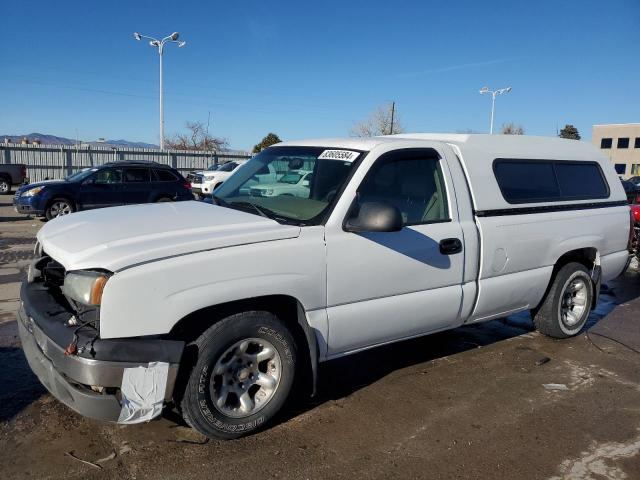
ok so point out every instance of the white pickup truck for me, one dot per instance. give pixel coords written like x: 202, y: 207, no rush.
x: 222, y: 309
x: 203, y: 183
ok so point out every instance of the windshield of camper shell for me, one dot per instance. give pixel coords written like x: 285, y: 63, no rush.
x: 265, y: 182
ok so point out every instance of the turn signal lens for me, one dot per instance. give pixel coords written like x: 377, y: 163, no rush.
x: 97, y: 289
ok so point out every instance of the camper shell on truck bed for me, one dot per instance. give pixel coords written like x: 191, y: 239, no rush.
x: 400, y: 236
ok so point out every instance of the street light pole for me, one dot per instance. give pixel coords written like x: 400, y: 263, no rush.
x: 159, y: 44
x: 160, y: 50
x: 493, y: 93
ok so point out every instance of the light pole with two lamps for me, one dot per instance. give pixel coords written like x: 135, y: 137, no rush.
x: 159, y: 44
x: 494, y: 93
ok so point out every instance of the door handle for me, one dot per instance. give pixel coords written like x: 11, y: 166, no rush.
x: 449, y: 246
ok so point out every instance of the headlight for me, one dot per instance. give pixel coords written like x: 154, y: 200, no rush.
x: 268, y: 192
x: 32, y: 191
x: 85, y: 287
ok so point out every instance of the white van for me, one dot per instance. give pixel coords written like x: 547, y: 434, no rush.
x: 219, y: 308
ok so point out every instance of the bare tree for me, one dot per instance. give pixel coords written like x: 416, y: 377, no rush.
x: 383, y: 121
x: 512, y: 129
x: 197, y: 137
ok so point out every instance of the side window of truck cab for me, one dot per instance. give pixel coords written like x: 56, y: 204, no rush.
x: 414, y: 186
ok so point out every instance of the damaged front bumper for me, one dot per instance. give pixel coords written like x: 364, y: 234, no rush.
x: 119, y: 380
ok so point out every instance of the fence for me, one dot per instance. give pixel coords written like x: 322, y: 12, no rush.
x: 59, y: 161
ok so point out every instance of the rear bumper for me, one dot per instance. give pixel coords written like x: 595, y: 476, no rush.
x: 69, y: 378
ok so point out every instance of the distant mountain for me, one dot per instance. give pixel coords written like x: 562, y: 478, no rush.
x: 53, y: 140
x: 127, y: 143
x: 44, y: 139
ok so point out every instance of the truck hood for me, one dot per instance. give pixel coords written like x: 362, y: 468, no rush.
x: 119, y: 237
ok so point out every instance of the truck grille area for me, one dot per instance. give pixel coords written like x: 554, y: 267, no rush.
x: 52, y: 272
x: 80, y: 322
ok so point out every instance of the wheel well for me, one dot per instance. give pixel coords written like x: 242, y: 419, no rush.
x: 589, y: 257
x: 6, y: 177
x: 60, y: 197
x: 288, y: 309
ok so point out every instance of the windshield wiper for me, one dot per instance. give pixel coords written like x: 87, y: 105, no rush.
x: 262, y: 211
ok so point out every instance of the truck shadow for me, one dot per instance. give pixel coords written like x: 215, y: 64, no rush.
x: 19, y: 387
x: 344, y: 376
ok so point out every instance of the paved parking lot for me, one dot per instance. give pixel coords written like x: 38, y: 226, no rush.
x: 468, y: 403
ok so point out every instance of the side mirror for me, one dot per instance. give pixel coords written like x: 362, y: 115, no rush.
x: 374, y: 217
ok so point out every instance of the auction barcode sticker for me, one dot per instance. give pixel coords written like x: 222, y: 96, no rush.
x: 345, y: 155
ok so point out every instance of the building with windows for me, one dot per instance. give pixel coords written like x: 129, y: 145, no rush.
x: 620, y: 142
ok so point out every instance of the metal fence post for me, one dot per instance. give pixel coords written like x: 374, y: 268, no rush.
x: 7, y: 155
x: 68, y: 160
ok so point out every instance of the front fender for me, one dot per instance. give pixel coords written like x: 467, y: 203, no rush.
x: 149, y: 299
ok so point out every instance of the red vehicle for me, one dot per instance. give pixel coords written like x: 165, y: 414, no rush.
x: 633, y: 196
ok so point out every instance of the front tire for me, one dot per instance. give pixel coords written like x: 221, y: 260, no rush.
x: 565, y: 309
x: 58, y: 207
x: 242, y: 377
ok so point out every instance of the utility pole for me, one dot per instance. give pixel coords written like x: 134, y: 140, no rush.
x: 393, y: 111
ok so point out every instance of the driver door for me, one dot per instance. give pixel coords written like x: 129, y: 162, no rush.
x: 385, y: 286
x: 102, y: 189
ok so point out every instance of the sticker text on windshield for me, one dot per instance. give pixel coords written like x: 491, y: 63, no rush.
x: 344, y: 155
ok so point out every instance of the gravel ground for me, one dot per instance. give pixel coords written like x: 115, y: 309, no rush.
x: 469, y: 403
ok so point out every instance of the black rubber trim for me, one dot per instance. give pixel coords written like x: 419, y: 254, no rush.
x: 548, y: 208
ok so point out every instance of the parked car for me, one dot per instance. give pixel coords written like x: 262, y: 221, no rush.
x: 12, y: 174
x: 219, y: 308
x: 635, y: 180
x: 203, y: 183
x: 295, y: 183
x: 197, y: 177
x: 113, y: 184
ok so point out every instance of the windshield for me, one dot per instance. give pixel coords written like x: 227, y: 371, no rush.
x: 212, y: 167
x: 227, y: 167
x: 271, y: 181
x: 81, y: 175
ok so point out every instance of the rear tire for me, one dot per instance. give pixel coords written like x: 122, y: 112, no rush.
x: 59, y: 207
x: 565, y: 309
x: 5, y: 186
x: 242, y: 377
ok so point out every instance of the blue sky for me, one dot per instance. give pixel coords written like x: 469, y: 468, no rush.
x: 312, y: 69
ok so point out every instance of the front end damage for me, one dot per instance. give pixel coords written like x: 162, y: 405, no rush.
x: 124, y: 380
